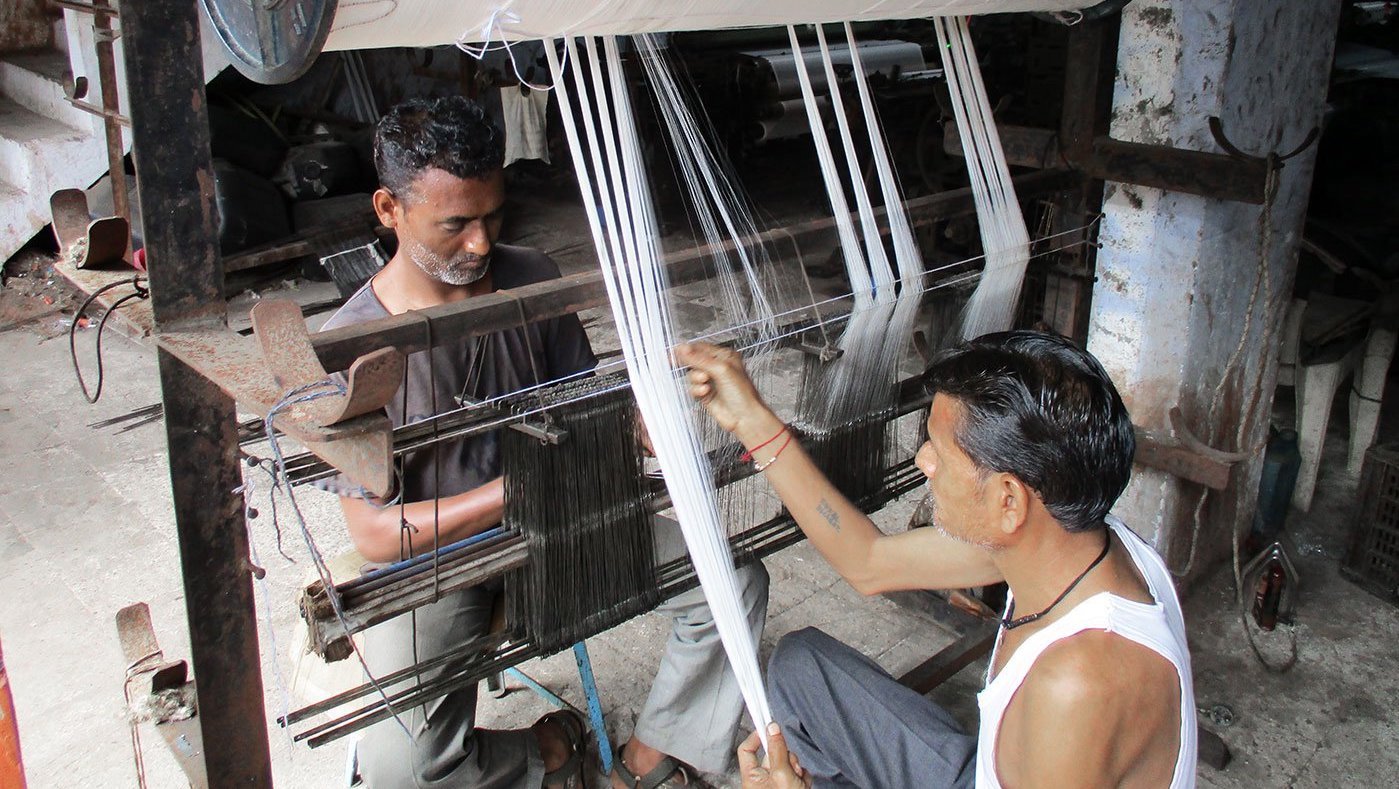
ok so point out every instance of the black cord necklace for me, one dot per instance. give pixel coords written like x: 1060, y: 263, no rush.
x: 1010, y: 624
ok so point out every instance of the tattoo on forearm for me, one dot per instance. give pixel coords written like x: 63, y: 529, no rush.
x: 826, y: 511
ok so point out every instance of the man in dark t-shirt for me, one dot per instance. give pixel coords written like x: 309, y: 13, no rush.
x: 442, y: 191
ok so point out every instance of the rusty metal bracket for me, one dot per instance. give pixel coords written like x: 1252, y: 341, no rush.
x: 85, y: 242
x: 171, y: 700
x: 347, y: 430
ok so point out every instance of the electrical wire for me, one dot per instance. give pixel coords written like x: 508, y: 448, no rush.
x: 140, y: 293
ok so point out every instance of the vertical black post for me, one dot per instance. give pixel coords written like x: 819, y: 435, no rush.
x: 1088, y: 81
x: 1089, y: 73
x: 175, y: 186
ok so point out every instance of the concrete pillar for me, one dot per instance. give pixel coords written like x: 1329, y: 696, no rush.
x: 1190, y: 296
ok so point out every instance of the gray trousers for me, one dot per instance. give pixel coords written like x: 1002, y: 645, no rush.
x: 851, y: 724
x: 692, y: 712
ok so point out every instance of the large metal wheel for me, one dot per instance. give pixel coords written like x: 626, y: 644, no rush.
x: 271, y: 41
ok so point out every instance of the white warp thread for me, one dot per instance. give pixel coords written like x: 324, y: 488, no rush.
x: 1004, y: 238
x: 861, y: 381
x: 622, y: 221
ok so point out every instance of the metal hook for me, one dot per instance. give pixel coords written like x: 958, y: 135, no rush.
x: 77, y: 89
x: 1217, y: 131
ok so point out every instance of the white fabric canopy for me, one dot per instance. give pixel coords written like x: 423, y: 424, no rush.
x: 368, y: 24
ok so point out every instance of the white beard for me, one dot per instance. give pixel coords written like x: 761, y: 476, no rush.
x: 447, y: 271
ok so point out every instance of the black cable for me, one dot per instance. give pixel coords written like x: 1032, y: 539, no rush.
x: 140, y: 292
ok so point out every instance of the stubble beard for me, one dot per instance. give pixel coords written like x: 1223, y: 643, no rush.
x: 928, y: 509
x: 450, y: 271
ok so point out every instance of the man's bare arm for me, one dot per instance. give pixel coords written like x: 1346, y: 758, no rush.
x: 863, y: 555
x: 377, y: 535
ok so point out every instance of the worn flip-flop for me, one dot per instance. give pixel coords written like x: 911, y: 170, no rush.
x: 669, y: 774
x: 569, y: 775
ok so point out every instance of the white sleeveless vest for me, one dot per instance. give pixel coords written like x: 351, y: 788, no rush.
x: 1159, y: 627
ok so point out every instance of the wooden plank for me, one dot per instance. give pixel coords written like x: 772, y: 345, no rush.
x: 1158, y: 166
x: 951, y: 659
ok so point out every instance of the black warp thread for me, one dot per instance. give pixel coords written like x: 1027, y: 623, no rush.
x: 582, y: 508
x: 854, y: 453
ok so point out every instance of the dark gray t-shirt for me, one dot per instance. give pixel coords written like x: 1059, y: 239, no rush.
x: 476, y: 367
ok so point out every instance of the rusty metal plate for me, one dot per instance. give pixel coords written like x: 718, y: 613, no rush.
x: 286, y: 346
x: 360, y: 447
x: 87, y: 243
x: 68, y: 208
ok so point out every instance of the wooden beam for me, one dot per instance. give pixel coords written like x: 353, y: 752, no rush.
x: 491, y: 312
x: 1162, y: 167
x: 1180, y: 461
x: 952, y: 658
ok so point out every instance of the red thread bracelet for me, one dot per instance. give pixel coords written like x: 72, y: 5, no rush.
x: 773, y: 459
x: 748, y: 453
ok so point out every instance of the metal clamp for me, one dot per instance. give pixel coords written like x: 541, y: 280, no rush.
x: 546, y: 431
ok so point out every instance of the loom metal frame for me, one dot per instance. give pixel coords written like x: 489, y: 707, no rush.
x: 170, y: 131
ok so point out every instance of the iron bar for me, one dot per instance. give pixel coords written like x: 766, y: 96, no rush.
x: 112, y: 121
x: 479, y: 644
x: 175, y: 185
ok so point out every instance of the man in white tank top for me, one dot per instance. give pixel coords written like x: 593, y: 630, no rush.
x: 1029, y: 447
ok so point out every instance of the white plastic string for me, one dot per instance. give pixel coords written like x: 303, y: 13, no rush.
x: 861, y: 381
x: 906, y: 253
x: 489, y: 32
x: 715, y: 197
x: 630, y: 256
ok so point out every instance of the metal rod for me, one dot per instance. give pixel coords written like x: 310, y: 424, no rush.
x: 479, y: 644
x: 112, y: 121
x: 93, y: 109
x: 445, y: 551
x: 163, y: 56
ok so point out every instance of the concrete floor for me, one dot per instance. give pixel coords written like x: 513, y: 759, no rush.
x: 86, y: 528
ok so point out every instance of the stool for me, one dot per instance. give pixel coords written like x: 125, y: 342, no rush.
x: 496, y: 686
x: 1316, y: 383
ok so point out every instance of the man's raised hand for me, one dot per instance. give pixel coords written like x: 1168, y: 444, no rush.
x: 719, y: 382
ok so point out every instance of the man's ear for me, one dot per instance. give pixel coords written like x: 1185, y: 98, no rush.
x: 386, y: 207
x: 1012, y: 502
